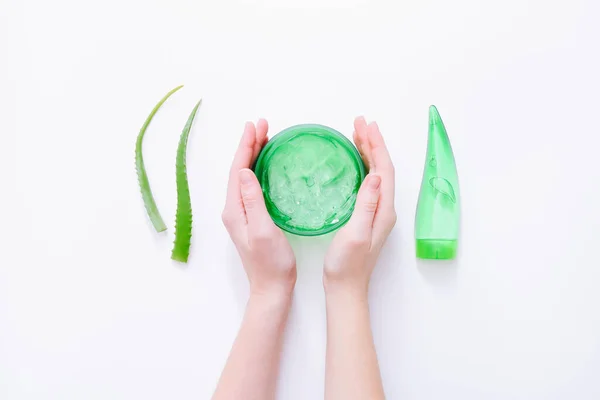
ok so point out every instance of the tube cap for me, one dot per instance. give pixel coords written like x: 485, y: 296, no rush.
x: 434, y: 249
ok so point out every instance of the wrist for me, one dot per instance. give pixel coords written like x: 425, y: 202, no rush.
x: 345, y: 291
x: 276, y: 287
x: 274, y: 297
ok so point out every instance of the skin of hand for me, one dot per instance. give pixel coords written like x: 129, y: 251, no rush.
x: 252, y: 367
x: 267, y: 256
x: 352, y: 371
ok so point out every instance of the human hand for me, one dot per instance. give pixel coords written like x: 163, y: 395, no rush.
x: 267, y: 256
x: 353, y: 253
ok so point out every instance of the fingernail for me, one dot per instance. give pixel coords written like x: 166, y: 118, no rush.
x: 245, y: 176
x: 374, y: 182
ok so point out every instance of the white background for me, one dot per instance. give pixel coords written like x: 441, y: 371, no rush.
x: 91, y: 307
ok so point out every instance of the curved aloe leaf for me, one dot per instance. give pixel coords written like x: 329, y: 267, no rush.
x: 183, y: 217
x: 149, y: 202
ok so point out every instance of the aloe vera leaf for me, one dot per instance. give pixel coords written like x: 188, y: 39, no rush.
x: 183, y: 216
x: 149, y: 202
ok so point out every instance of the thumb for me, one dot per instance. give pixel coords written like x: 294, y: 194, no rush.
x: 366, y: 205
x: 252, y: 197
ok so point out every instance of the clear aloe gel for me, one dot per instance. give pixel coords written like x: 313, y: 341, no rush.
x: 438, y: 209
x: 310, y: 175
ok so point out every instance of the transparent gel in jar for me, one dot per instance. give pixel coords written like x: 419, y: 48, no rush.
x: 310, y: 176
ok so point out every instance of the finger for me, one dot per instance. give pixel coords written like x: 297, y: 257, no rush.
x: 262, y: 127
x: 245, y: 150
x: 383, y: 164
x: 377, y: 146
x: 385, y: 217
x: 357, y: 142
x: 362, y: 141
x: 367, y: 200
x: 242, y: 159
x: 254, y: 202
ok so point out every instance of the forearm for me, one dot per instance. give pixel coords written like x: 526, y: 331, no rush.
x: 252, y: 367
x: 352, y: 371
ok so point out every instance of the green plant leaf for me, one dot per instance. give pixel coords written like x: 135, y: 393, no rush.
x: 149, y: 202
x: 183, y: 217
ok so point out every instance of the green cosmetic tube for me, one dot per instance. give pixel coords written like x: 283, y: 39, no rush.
x: 437, y: 218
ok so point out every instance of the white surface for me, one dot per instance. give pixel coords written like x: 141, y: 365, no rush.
x: 91, y: 307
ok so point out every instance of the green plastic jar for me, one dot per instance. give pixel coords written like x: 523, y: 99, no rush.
x: 310, y: 176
